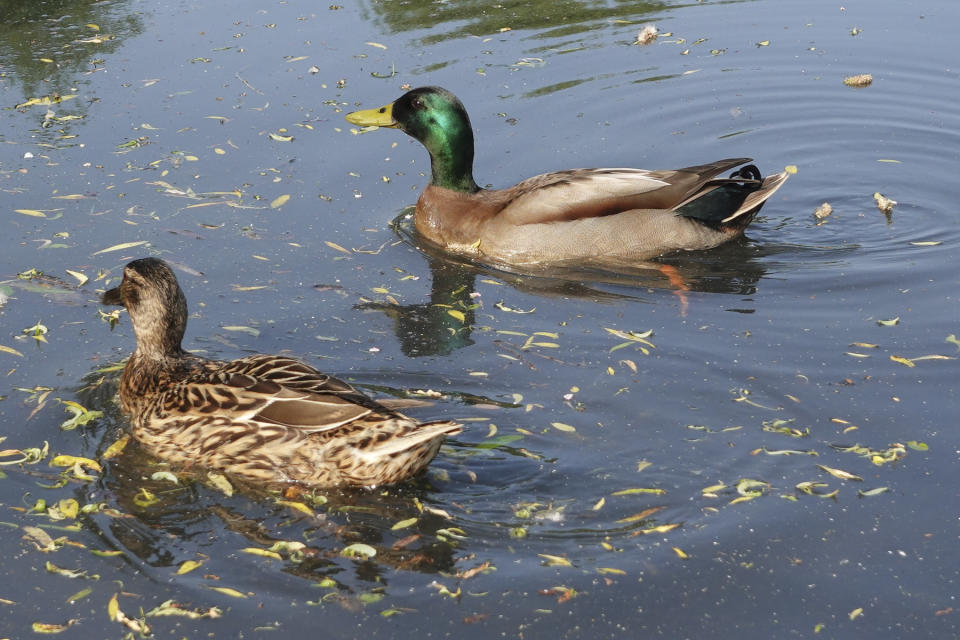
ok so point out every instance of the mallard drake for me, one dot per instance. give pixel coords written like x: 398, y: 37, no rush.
x: 265, y: 418
x: 593, y: 217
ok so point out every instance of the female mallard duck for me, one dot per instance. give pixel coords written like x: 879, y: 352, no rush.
x: 598, y: 217
x: 264, y: 418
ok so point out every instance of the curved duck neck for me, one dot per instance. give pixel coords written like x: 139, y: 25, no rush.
x: 451, y: 157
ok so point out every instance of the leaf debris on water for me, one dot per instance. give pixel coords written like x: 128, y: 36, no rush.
x: 884, y: 203
x: 859, y: 80
x: 840, y: 473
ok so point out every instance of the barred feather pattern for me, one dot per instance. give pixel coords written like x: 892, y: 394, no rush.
x: 265, y: 418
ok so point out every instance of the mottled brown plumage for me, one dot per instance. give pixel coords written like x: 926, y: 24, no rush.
x: 265, y: 418
x: 597, y: 217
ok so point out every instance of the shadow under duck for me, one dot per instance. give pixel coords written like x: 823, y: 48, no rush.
x: 265, y: 418
x: 592, y: 217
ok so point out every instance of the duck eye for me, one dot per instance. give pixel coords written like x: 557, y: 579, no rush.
x: 418, y: 104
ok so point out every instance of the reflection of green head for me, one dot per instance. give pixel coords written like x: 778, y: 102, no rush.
x: 436, y: 118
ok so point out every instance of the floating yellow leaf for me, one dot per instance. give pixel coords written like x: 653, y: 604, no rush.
x: 72, y: 196
x: 639, y: 490
x: 228, y: 591
x: 643, y: 515
x: 599, y: 504
x: 663, y: 528
x: 10, y: 350
x: 81, y: 278
x: 555, y: 561
x: 560, y: 426
x: 856, y: 613
x: 457, y: 314
x: 46, y: 627
x: 334, y: 245
x: 611, y: 571
x: 187, y: 566
x: 257, y: 551
x: 31, y: 212
x: 377, y: 45
x: 840, y: 473
x: 122, y: 246
x: 889, y: 323
x: 116, y: 448
x: 69, y: 461
x: 903, y: 360
x: 279, y: 201
x: 680, y: 553
x: 280, y: 138
x: 358, y: 550
x: 403, y: 524
x: 299, y: 506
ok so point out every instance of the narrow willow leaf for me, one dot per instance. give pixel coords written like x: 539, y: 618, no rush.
x: 403, y: 524
x: 299, y: 506
x: 639, y: 490
x: 889, y: 323
x: 228, y: 591
x: 10, y: 350
x: 279, y: 201
x: 560, y: 426
x: 256, y: 551
x: 902, y: 360
x: 872, y: 492
x: 457, y: 314
x: 555, y: 561
x: 187, y: 566
x: 611, y: 571
x: 31, y: 212
x: 334, y: 245
x: 122, y: 246
x: 840, y: 473
x: 680, y: 553
x: 81, y: 278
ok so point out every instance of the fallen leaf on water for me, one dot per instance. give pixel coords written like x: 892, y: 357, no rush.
x: 903, y: 360
x: 265, y: 553
x: 10, y: 350
x: 187, y: 566
x: 563, y: 427
x: 555, y: 561
x: 638, y: 490
x: 823, y: 211
x: 279, y: 201
x: 840, y: 473
x: 358, y: 550
x: 861, y: 80
x: 889, y: 323
x: 884, y: 203
x: 334, y: 245
x: 81, y: 278
x: 122, y: 246
x: 228, y: 591
x: 680, y: 553
x: 32, y: 212
x: 872, y: 492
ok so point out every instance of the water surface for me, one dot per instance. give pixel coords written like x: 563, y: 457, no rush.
x: 597, y: 489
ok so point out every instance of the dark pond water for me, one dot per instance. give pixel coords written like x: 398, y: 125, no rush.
x: 603, y: 487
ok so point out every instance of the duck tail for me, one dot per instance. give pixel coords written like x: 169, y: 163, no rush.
x: 755, y: 199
